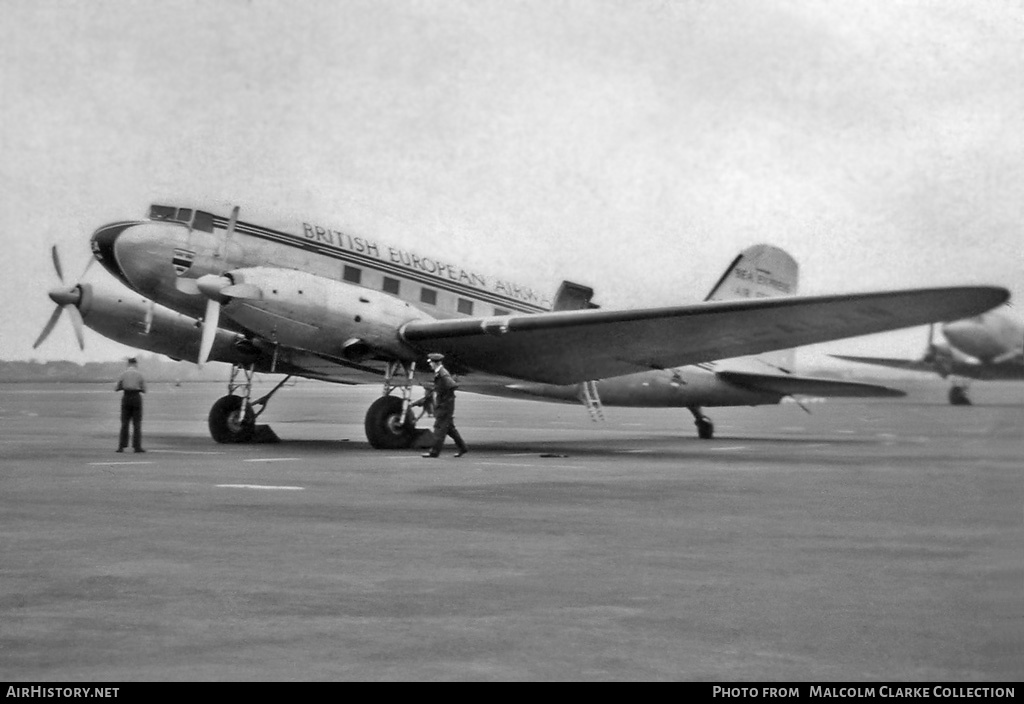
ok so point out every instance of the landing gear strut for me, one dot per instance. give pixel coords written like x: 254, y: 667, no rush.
x: 389, y: 423
x: 233, y: 417
x: 705, y: 428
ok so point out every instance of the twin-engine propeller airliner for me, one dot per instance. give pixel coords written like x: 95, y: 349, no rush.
x: 321, y: 303
x: 989, y: 346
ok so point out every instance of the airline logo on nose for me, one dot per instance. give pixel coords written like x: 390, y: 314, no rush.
x: 182, y: 260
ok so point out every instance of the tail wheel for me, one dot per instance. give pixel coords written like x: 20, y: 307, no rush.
x: 705, y: 428
x: 228, y: 423
x: 386, y: 428
x: 958, y: 396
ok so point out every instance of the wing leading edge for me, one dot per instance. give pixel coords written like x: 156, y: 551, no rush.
x: 567, y: 347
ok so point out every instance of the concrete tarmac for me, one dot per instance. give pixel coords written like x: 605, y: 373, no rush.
x: 867, y: 541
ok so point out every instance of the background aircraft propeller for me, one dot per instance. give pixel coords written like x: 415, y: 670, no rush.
x: 66, y: 297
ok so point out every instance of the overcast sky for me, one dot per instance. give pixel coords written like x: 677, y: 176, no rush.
x: 632, y: 145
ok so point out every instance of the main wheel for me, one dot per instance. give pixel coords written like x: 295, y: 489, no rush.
x: 386, y: 429
x: 228, y: 424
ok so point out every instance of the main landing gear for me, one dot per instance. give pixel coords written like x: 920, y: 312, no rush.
x: 390, y: 423
x: 233, y: 417
x: 705, y: 428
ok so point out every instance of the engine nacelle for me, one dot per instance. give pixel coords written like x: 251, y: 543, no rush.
x: 309, y: 312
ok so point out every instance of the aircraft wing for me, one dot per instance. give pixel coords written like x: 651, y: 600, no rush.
x: 954, y: 367
x: 567, y: 347
x: 914, y: 365
x: 789, y: 385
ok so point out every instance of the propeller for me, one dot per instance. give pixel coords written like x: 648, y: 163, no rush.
x: 212, y: 286
x: 66, y: 297
x: 189, y: 285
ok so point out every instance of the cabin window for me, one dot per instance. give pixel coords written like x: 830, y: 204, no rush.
x: 203, y: 221
x: 352, y: 274
x: 428, y: 296
x: 465, y: 306
x: 184, y: 215
x: 500, y: 311
x: 391, y: 285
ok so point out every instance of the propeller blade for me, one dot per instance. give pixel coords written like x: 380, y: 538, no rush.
x: 48, y: 328
x: 88, y: 264
x: 210, y: 321
x: 149, y: 316
x: 232, y: 221
x: 56, y: 263
x: 76, y: 323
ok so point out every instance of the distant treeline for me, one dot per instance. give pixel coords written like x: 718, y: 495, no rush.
x: 152, y: 368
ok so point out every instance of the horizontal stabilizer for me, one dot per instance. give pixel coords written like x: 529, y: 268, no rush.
x: 789, y: 385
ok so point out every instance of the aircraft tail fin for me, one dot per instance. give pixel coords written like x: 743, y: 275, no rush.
x: 760, y: 271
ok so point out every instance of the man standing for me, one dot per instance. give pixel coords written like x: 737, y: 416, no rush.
x: 133, y: 386
x: 444, y: 408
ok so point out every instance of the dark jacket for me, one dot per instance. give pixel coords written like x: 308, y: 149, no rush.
x: 444, y: 394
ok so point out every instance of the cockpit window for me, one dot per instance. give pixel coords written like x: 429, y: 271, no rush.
x: 162, y: 212
x: 203, y: 221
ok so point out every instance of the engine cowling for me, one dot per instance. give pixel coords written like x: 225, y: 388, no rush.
x: 314, y: 313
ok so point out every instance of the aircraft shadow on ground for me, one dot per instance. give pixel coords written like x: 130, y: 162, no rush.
x: 640, y: 445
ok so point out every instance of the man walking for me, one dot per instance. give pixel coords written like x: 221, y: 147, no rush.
x: 133, y: 386
x: 444, y: 408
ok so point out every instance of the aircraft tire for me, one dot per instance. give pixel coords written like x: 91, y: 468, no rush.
x: 226, y: 423
x: 705, y: 429
x: 384, y: 426
x: 958, y: 396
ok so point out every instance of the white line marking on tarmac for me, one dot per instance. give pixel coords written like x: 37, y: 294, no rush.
x: 726, y: 449
x: 187, y: 452
x: 114, y: 464
x: 260, y: 486
x: 272, y: 459
x: 632, y: 452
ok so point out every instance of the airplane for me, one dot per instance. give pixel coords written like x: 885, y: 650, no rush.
x: 988, y: 346
x: 325, y: 304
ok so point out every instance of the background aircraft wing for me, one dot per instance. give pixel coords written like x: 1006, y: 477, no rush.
x: 567, y: 347
x: 915, y: 365
x: 789, y: 385
x: 969, y: 370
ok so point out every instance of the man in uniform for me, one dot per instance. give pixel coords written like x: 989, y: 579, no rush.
x: 133, y: 386
x: 444, y: 408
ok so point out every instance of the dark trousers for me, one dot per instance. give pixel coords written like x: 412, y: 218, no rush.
x: 131, y: 412
x: 445, y: 428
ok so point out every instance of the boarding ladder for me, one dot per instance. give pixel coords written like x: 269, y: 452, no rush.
x: 590, y: 399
